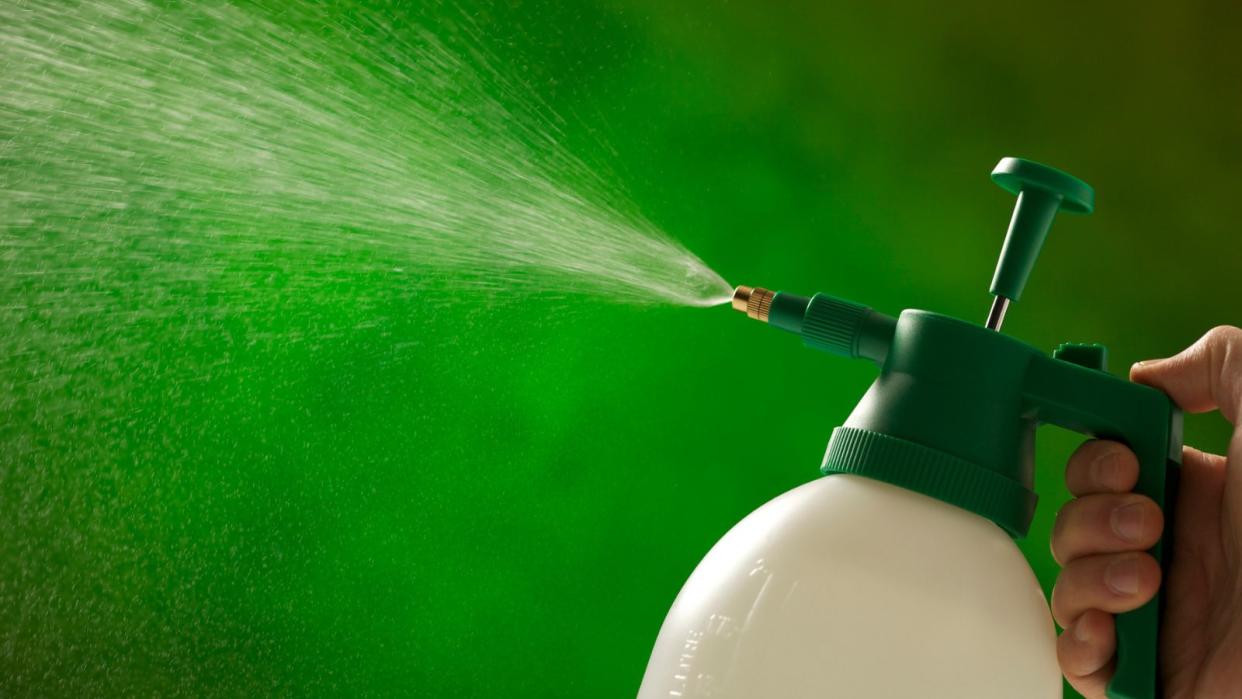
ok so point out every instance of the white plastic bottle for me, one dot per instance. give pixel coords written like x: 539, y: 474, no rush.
x: 849, y: 587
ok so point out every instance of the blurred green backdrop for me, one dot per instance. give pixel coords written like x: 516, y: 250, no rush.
x: 499, y: 500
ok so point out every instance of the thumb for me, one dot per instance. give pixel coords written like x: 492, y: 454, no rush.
x: 1206, y: 375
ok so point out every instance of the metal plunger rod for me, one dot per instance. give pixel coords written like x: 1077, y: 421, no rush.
x: 996, y: 315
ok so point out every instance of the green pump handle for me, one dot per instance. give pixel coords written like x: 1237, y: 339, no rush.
x: 1088, y: 400
x: 954, y: 410
x: 1061, y: 393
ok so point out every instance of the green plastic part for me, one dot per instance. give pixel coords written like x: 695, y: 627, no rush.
x: 954, y: 411
x: 953, y: 415
x: 932, y: 472
x: 834, y: 325
x: 787, y: 311
x: 1093, y: 356
x: 1041, y: 191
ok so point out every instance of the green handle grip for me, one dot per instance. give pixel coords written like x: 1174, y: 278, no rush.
x: 1096, y: 403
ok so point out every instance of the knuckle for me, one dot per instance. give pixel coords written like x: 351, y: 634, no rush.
x: 1064, y: 515
x: 1068, y: 595
x: 1068, y: 650
x: 1092, y: 686
x: 1056, y: 544
x: 1069, y: 653
x: 1059, y: 611
x: 1103, y: 523
x: 1065, y: 531
x: 1223, y: 345
x: 1087, y: 646
x: 1224, y: 334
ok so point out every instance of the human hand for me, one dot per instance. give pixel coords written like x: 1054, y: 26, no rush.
x: 1101, y: 536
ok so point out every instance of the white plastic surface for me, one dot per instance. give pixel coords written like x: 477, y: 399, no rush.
x: 848, y: 587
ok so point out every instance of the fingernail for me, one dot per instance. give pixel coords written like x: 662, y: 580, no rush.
x: 1148, y: 362
x: 1128, y: 520
x: 1080, y: 631
x: 1121, y: 576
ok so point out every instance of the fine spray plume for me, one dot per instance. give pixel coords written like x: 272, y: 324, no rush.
x: 900, y: 568
x: 220, y: 224
x: 419, y: 158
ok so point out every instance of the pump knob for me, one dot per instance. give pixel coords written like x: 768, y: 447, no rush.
x: 1042, y: 191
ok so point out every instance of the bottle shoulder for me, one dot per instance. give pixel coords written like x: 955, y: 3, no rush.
x: 840, y: 580
x: 841, y: 521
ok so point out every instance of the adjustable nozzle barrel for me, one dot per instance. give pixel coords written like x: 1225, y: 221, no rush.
x: 825, y: 322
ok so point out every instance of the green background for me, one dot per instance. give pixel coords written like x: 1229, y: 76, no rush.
x: 470, y: 498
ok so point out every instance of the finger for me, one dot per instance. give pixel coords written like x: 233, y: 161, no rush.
x: 1114, y: 583
x: 1105, y: 523
x: 1206, y: 375
x: 1101, y: 466
x: 1085, y: 652
x: 1199, y: 459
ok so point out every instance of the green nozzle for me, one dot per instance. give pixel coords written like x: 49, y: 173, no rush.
x: 825, y: 322
x: 1042, y: 191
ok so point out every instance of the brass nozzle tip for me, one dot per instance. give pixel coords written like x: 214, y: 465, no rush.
x: 753, y: 301
x: 741, y: 296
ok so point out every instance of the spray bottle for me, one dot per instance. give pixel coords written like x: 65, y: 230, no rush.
x: 896, y: 575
